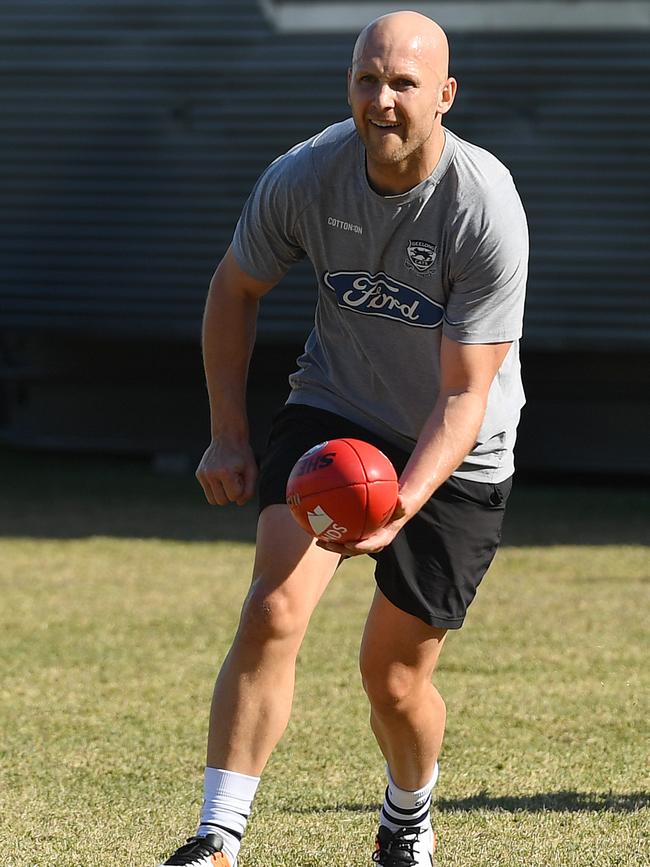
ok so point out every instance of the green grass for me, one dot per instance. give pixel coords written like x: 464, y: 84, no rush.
x: 111, y: 638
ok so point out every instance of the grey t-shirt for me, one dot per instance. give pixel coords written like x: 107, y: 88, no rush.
x: 394, y: 273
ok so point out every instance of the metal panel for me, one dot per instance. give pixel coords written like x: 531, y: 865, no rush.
x: 132, y: 133
x: 341, y: 16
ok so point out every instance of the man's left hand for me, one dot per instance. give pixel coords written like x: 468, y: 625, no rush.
x: 375, y: 542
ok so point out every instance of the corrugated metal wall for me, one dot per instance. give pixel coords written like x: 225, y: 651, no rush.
x: 132, y: 132
x: 121, y: 178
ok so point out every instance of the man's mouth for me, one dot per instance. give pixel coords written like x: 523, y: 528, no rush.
x: 385, y: 124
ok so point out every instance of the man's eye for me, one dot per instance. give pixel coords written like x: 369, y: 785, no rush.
x: 367, y: 79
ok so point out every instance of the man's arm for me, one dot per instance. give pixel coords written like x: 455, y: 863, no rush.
x: 227, y: 471
x: 448, y: 435
x: 450, y: 432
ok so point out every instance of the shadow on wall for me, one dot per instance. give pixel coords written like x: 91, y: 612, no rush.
x: 73, y: 496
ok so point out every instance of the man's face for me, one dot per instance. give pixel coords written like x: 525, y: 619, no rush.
x: 395, y: 95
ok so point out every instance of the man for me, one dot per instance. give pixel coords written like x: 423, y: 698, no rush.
x: 419, y: 244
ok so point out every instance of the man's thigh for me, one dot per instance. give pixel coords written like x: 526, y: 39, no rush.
x: 398, y: 647
x: 290, y: 574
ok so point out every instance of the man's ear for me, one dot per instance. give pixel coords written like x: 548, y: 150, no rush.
x: 447, y: 95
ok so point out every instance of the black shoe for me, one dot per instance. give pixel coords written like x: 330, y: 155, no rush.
x: 200, y: 852
x: 407, y: 847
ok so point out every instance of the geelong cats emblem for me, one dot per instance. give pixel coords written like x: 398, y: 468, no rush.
x: 421, y: 256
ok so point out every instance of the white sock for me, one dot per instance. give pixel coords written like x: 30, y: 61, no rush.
x: 403, y: 809
x: 227, y: 799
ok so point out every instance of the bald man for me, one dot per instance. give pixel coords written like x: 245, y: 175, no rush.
x: 419, y: 243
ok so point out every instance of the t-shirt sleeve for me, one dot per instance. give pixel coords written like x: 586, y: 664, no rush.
x: 489, y: 269
x: 265, y: 244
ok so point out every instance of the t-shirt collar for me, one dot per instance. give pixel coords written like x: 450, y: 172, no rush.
x: 424, y: 187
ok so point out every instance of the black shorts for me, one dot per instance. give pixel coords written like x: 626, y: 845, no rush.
x: 434, y: 565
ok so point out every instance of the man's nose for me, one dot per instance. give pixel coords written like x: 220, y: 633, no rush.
x: 384, y: 97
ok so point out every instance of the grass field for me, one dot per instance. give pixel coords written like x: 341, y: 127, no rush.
x: 120, y: 593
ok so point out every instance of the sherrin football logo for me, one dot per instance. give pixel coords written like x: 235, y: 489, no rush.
x: 324, y: 526
x: 311, y: 462
x: 421, y: 256
x: 382, y: 295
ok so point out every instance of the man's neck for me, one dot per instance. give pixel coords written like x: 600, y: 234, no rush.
x: 393, y: 180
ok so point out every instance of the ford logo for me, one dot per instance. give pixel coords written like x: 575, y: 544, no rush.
x: 381, y: 295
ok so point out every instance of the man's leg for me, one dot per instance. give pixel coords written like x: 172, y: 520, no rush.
x: 398, y: 655
x: 252, y: 697
x: 254, y: 690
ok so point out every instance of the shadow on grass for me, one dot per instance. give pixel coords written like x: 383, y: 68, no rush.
x: 66, y: 496
x: 547, y: 802
x: 551, y: 802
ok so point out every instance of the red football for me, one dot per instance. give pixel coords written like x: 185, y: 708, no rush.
x: 342, y: 490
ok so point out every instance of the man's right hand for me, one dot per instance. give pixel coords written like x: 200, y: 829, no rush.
x: 227, y: 472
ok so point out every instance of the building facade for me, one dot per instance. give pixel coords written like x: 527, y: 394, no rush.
x: 133, y: 133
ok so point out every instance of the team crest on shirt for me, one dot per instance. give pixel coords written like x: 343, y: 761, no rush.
x: 421, y: 256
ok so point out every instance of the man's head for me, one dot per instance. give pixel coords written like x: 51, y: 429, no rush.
x: 398, y: 89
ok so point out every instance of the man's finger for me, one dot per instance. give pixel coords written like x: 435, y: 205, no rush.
x: 213, y: 489
x: 250, y: 478
x: 334, y: 548
x: 207, y: 488
x: 233, y: 484
x: 365, y: 548
x: 220, y: 496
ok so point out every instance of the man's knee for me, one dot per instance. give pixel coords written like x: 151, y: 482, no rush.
x: 389, y: 686
x: 269, y: 616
